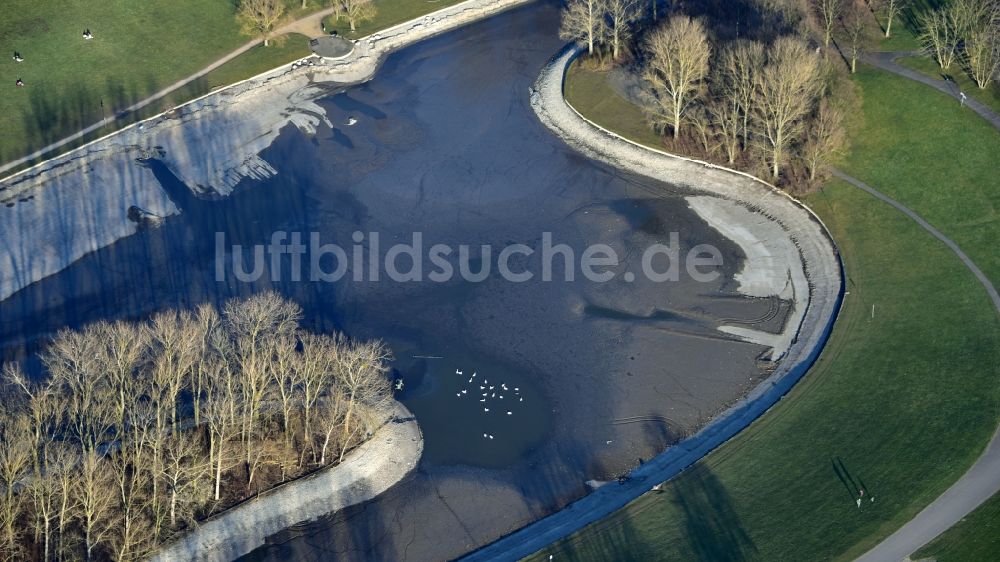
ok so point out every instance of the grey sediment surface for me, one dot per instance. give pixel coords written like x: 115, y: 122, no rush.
x: 55, y: 212
x: 372, y: 468
x: 789, y: 254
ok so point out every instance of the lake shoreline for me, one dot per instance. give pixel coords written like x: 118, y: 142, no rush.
x: 794, y: 239
x: 392, y: 452
x: 69, y: 206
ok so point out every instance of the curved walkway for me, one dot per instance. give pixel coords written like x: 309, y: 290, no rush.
x: 298, y: 26
x: 814, y: 251
x: 887, y: 61
x: 372, y: 468
x: 982, y: 480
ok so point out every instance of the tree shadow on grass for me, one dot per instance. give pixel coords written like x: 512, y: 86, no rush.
x: 713, y: 529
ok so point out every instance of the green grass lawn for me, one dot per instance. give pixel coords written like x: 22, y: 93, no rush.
x: 589, y: 92
x: 906, y: 26
x: 259, y: 59
x: 139, y: 47
x: 390, y: 13
x: 926, y: 65
x: 918, y: 146
x: 905, y: 400
x: 977, y: 537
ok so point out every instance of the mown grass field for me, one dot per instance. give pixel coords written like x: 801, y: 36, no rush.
x: 917, y: 145
x: 959, y: 77
x: 138, y: 49
x: 902, y: 400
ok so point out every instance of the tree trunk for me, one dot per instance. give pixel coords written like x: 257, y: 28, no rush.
x: 854, y: 64
x: 677, y: 118
x: 173, y: 497
x: 218, y: 474
x: 326, y: 442
x: 45, y: 547
x: 888, y: 28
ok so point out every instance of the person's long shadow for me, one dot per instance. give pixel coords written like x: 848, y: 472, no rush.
x: 850, y: 485
x: 853, y: 485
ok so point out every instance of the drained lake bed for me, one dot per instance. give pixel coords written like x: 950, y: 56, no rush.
x: 595, y: 375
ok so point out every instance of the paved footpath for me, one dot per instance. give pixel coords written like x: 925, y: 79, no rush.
x: 979, y: 482
x: 887, y: 61
x: 303, y: 25
x: 982, y: 480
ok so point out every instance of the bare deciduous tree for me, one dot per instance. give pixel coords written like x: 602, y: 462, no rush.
x: 981, y: 54
x: 15, y: 465
x: 829, y: 12
x: 621, y: 17
x: 726, y: 116
x: 185, y: 469
x: 739, y: 65
x: 354, y: 11
x: 361, y: 373
x: 314, y: 372
x: 583, y: 20
x: 939, y: 36
x: 220, y: 415
x: 825, y: 138
x: 678, y: 55
x: 890, y: 9
x: 856, y: 33
x: 701, y: 121
x: 95, y: 497
x: 260, y: 17
x: 787, y: 88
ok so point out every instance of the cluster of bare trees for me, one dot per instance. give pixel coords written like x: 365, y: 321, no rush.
x: 138, y: 430
x: 606, y: 26
x: 967, y: 31
x: 259, y: 18
x: 354, y: 11
x: 746, y: 101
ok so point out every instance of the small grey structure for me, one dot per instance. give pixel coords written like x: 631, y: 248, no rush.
x: 331, y: 46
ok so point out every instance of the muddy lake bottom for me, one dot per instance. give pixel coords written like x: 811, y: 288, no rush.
x: 446, y: 144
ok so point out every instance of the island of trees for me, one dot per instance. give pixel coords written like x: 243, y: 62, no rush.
x: 136, y: 431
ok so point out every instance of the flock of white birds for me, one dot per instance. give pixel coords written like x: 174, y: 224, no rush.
x: 491, y: 394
